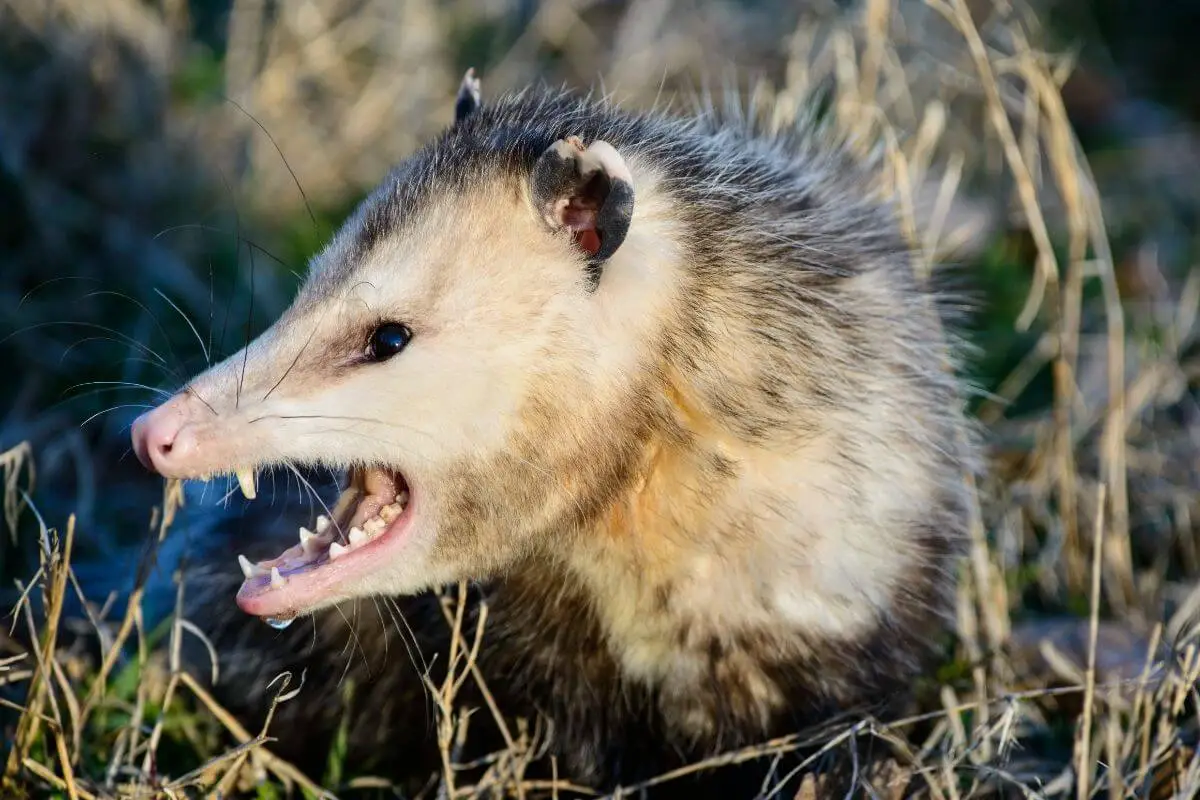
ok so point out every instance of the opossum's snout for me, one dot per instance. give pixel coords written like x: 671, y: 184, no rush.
x: 156, y: 436
x: 229, y: 423
x: 326, y: 563
x: 165, y: 441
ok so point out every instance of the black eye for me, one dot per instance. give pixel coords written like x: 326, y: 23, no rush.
x: 387, y: 340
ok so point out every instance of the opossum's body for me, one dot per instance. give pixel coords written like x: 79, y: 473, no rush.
x: 703, y: 457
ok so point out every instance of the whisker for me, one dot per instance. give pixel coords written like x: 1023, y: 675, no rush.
x: 313, y: 493
x: 167, y: 370
x: 398, y: 619
x: 121, y: 337
x: 382, y: 626
x: 114, y: 408
x: 293, y: 364
x: 81, y: 396
x: 263, y: 128
x: 224, y: 500
x: 49, y: 281
x: 338, y: 417
x: 157, y: 322
x: 246, y: 348
x: 189, y: 389
x: 543, y: 470
x: 133, y: 360
x: 113, y: 386
x: 356, y: 641
x: 250, y: 243
x: 238, y: 241
x: 537, y: 467
x: 188, y: 320
x: 220, y: 348
x: 212, y: 304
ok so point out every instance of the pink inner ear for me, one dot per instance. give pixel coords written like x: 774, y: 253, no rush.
x: 588, y: 240
x: 580, y: 216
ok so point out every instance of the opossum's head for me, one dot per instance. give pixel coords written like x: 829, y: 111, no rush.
x: 470, y: 348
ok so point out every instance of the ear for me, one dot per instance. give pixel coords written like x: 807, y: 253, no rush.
x: 468, y: 96
x: 588, y: 190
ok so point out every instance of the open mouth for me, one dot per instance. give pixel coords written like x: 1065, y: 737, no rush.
x: 375, y: 506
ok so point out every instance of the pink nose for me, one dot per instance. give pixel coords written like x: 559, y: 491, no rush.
x: 157, y: 438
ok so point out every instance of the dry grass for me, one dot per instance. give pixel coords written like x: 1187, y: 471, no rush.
x: 1076, y: 655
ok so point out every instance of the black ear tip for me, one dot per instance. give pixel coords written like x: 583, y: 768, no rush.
x: 613, y: 219
x: 469, y: 93
x: 555, y: 173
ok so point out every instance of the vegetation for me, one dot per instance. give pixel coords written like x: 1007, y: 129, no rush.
x: 167, y: 167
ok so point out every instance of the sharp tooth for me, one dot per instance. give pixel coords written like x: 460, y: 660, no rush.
x: 357, y: 536
x: 322, y: 523
x: 374, y: 526
x: 248, y: 569
x: 402, y: 498
x: 245, y: 479
x: 306, y: 536
x: 336, y: 549
x: 390, y: 513
x: 205, y: 478
x: 277, y: 580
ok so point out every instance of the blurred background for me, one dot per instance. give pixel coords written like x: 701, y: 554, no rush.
x: 168, y: 166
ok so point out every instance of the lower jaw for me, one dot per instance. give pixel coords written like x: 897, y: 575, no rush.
x: 372, y: 515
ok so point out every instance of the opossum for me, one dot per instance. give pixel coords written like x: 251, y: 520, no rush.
x: 663, y: 389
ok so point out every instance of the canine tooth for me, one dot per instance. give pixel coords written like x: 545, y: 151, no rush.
x: 245, y: 479
x: 389, y: 513
x: 306, y: 536
x: 336, y: 549
x: 249, y: 570
x: 322, y: 523
x: 277, y: 580
x: 402, y: 498
x: 357, y: 536
x: 374, y: 526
